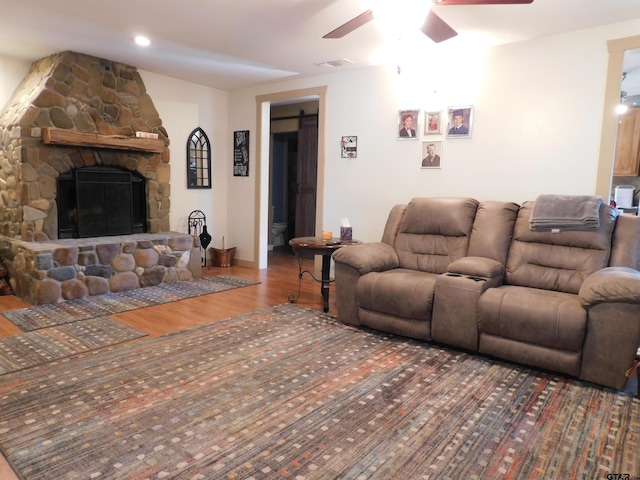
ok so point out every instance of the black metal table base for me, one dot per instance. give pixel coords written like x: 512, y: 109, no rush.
x: 325, y: 281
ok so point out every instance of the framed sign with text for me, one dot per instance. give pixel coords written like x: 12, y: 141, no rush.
x: 349, y: 147
x: 241, y: 153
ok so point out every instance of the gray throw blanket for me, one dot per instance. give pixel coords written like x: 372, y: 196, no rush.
x: 565, y: 212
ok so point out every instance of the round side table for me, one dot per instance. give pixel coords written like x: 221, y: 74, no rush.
x: 317, y: 246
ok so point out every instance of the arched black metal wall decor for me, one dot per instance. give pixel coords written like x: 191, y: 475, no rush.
x: 197, y: 225
x: 198, y: 160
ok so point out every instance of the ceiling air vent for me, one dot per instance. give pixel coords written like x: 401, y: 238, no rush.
x: 335, y: 63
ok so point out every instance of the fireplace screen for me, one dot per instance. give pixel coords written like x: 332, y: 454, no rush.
x: 101, y: 201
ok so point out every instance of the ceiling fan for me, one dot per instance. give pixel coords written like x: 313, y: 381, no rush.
x: 433, y: 27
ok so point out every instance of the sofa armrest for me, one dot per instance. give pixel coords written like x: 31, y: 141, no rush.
x: 368, y: 257
x: 477, y: 267
x: 609, y: 285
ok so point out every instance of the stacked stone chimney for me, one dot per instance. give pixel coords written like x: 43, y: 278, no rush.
x: 75, y: 93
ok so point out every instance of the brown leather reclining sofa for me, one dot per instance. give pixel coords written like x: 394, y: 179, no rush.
x: 475, y: 276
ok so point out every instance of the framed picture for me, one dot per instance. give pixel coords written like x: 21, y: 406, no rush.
x: 349, y: 147
x: 241, y: 153
x: 408, y: 124
x: 432, y: 123
x: 460, y: 122
x: 431, y: 154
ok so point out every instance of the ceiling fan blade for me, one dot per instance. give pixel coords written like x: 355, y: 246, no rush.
x: 437, y: 29
x: 482, y: 2
x: 351, y: 25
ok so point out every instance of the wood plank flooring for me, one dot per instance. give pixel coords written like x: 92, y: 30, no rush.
x: 277, y: 281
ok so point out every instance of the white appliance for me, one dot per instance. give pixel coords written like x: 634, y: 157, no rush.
x: 624, y: 196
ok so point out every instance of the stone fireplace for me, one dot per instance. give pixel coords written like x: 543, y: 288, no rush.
x: 73, y: 111
x: 83, y: 154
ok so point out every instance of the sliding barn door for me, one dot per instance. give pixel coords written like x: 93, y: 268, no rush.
x: 307, y: 177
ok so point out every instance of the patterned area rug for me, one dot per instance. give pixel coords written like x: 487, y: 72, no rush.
x: 50, y: 315
x: 35, y: 348
x: 288, y: 392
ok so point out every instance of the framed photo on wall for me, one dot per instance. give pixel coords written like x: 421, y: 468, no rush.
x: 408, y: 124
x: 431, y: 154
x: 432, y: 123
x: 460, y: 121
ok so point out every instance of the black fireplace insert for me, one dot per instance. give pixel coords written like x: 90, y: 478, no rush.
x: 101, y: 201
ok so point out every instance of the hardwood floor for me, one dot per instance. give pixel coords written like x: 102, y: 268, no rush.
x: 276, y: 283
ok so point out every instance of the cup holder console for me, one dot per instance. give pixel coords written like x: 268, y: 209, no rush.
x: 471, y: 277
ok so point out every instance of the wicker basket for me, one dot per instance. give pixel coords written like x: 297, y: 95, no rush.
x: 223, y: 257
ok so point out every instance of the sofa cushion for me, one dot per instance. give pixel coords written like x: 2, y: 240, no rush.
x: 492, y: 230
x: 434, y: 232
x: 533, y: 316
x: 625, y: 250
x: 393, y: 224
x: 557, y: 261
x: 399, y: 292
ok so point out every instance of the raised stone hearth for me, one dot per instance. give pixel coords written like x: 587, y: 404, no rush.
x: 50, y: 272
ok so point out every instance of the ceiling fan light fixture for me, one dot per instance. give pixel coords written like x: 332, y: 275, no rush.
x: 395, y: 18
x: 437, y: 29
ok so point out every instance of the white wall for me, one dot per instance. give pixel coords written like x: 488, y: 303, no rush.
x: 12, y: 71
x: 184, y: 106
x: 537, y: 119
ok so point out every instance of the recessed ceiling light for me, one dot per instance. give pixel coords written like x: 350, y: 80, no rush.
x: 142, y: 41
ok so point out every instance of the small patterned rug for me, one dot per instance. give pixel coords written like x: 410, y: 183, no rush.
x: 290, y: 393
x: 50, y: 315
x: 48, y: 344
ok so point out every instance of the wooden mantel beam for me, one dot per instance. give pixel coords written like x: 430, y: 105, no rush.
x: 56, y: 136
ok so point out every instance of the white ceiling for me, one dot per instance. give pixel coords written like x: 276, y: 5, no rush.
x: 230, y: 44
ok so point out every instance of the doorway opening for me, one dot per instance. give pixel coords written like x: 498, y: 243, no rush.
x: 625, y: 182
x: 262, y: 210
x: 605, y: 176
x: 293, y: 173
x: 283, y: 190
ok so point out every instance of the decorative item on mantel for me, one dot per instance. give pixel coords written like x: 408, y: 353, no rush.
x: 197, y: 225
x: 223, y: 257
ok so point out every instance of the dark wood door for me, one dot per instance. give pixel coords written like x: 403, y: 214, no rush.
x: 307, y: 176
